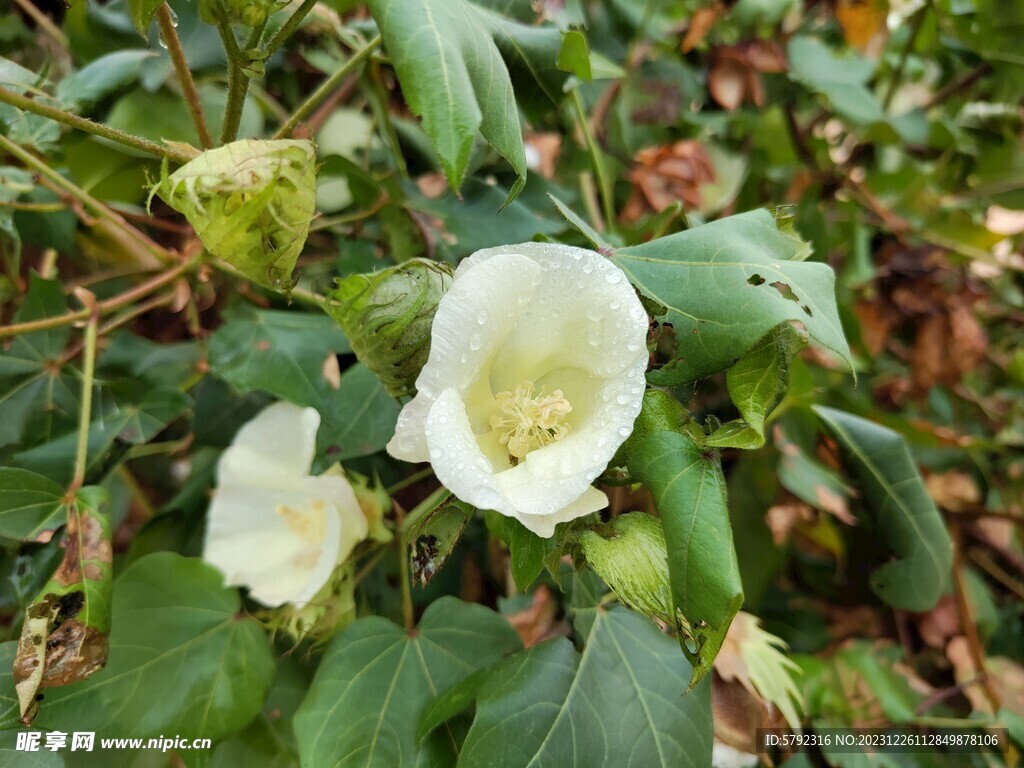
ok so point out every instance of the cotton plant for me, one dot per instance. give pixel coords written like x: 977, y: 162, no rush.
x: 277, y: 530
x: 533, y: 380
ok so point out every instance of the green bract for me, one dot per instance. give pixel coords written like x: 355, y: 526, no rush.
x: 387, y: 317
x: 250, y: 202
x: 634, y: 563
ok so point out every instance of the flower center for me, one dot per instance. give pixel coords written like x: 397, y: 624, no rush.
x: 529, y: 418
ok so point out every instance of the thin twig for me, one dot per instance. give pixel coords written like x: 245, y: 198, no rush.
x: 326, y: 88
x: 89, y: 202
x: 897, y: 75
x: 412, y: 479
x: 600, y: 171
x: 970, y: 631
x: 103, y: 307
x: 44, y: 22
x: 169, y: 34
x: 96, y: 129
x: 288, y: 28
x: 962, y: 83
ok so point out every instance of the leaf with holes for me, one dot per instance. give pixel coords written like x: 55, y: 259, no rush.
x: 726, y: 284
x: 375, y: 679
x: 184, y: 659
x: 895, y: 495
x: 619, y: 703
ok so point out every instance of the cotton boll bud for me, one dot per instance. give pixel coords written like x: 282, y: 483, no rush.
x: 250, y: 202
x: 331, y: 608
x: 387, y: 317
x: 634, y: 563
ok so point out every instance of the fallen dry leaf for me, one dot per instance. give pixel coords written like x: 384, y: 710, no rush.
x: 538, y: 622
x: 953, y: 490
x: 665, y: 175
x: 736, y: 70
x: 542, y: 151
x: 940, y: 623
x: 701, y: 22
x: 863, y: 23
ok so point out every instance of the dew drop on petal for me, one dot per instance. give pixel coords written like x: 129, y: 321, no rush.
x: 613, y: 277
x: 474, y: 342
x: 481, y: 317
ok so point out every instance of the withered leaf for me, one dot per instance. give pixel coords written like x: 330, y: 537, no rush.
x: 64, y: 637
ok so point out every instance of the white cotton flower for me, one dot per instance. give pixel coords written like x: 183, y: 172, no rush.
x: 272, y: 527
x: 534, y: 379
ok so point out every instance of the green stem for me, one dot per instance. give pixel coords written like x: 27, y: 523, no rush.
x: 326, y: 88
x: 597, y: 158
x: 85, y: 415
x: 412, y: 479
x: 89, y: 202
x: 238, y: 85
x: 169, y: 34
x: 897, y: 75
x: 96, y: 129
x: 289, y: 27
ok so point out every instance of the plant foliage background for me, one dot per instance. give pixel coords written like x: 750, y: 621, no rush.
x: 820, y: 204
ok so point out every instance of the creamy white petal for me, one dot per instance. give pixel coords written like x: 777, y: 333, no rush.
x: 338, y: 491
x: 472, y: 320
x: 592, y: 500
x: 277, y: 444
x: 457, y: 458
x: 564, y: 319
x: 281, y: 543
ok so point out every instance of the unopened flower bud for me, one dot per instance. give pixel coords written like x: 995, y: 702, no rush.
x: 250, y: 202
x: 633, y: 561
x: 387, y: 317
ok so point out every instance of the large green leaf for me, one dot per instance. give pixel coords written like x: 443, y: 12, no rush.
x: 183, y: 659
x: 906, y: 517
x: 689, y: 490
x: 840, y: 79
x: 453, y: 76
x: 725, y: 285
x: 38, y: 397
x: 29, y: 504
x: 372, y: 685
x: 282, y: 353
x: 618, y: 704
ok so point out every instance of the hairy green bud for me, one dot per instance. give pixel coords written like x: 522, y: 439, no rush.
x: 387, y: 317
x: 250, y: 202
x: 633, y: 561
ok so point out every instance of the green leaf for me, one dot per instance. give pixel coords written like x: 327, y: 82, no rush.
x: 282, y: 353
x: 686, y: 482
x: 528, y: 551
x: 579, y: 224
x: 728, y: 283
x: 454, y: 78
x: 183, y: 659
x: 894, y: 494
x: 375, y: 679
x: 574, y: 56
x: 102, y: 77
x: 619, y: 703
x: 756, y: 386
x: 359, y: 416
x: 29, y: 504
x: 840, y: 79
x: 38, y: 397
x: 142, y: 13
x: 432, y: 536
